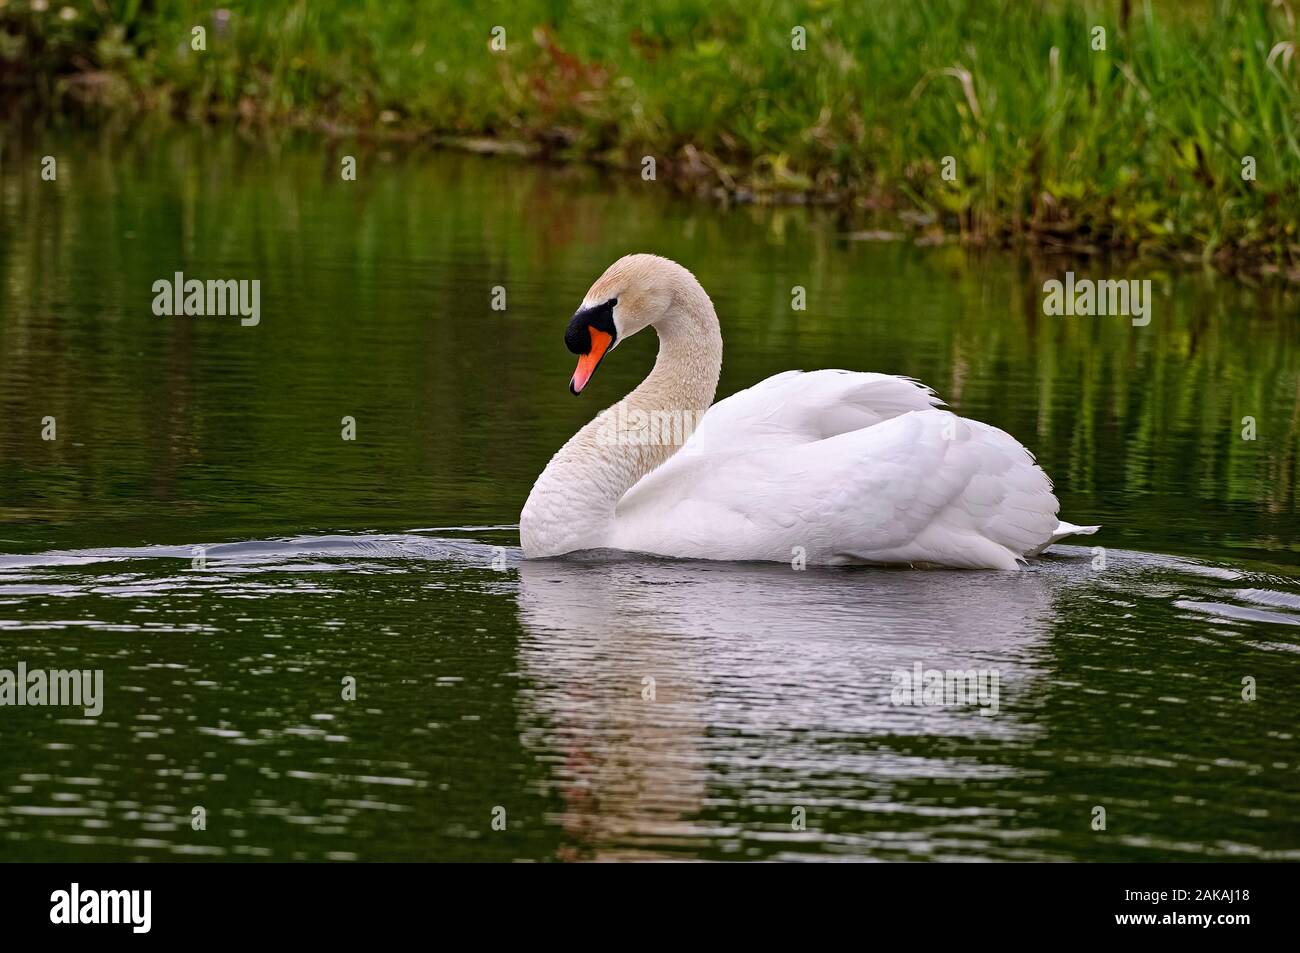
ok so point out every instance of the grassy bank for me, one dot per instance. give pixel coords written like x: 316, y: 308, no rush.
x: 1138, y: 146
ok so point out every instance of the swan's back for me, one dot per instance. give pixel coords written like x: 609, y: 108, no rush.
x: 796, y: 407
x: 842, y: 467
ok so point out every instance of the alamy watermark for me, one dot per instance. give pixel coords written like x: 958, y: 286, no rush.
x: 214, y: 298
x: 1129, y: 298
x: 76, y: 687
x: 75, y: 906
x: 943, y: 688
x: 624, y: 427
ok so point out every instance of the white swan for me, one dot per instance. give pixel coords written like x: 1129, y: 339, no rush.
x: 830, y: 467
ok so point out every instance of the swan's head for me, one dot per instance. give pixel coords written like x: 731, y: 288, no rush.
x: 635, y: 292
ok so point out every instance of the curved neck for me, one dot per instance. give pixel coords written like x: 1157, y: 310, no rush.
x: 571, y: 507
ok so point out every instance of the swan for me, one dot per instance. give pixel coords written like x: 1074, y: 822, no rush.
x: 826, y: 467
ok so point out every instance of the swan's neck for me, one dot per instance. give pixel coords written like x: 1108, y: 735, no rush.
x: 572, y: 504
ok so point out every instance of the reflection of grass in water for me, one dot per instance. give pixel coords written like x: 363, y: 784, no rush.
x: 1138, y: 146
x: 459, y: 408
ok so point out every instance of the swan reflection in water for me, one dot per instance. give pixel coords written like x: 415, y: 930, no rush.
x: 671, y: 708
x: 672, y: 690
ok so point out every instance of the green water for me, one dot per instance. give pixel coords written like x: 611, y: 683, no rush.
x: 484, y: 683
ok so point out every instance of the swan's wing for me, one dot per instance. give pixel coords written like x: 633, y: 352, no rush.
x: 922, y: 487
x: 797, y: 407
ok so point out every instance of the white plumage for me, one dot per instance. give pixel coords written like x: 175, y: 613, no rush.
x: 841, y: 467
x: 829, y: 466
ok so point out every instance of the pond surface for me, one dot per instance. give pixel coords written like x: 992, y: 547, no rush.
x: 199, y: 531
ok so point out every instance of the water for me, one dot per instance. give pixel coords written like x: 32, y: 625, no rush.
x: 525, y: 688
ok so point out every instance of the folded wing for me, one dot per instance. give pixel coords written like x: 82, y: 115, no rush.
x: 797, y: 407
x: 881, y: 476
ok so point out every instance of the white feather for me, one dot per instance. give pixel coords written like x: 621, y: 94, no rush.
x: 879, y: 475
x: 825, y: 467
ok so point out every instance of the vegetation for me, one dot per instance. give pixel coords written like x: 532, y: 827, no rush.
x: 1143, y: 145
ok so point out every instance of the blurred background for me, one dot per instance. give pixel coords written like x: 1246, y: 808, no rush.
x: 809, y: 139
x: 1119, y: 123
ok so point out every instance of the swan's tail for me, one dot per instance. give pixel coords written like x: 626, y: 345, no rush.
x: 1064, y: 529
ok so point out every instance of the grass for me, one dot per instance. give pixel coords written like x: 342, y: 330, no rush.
x: 1139, y: 146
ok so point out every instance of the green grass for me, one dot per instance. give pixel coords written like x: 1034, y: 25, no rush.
x: 1138, y: 147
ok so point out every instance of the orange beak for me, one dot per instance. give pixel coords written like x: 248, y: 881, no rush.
x: 587, y: 363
